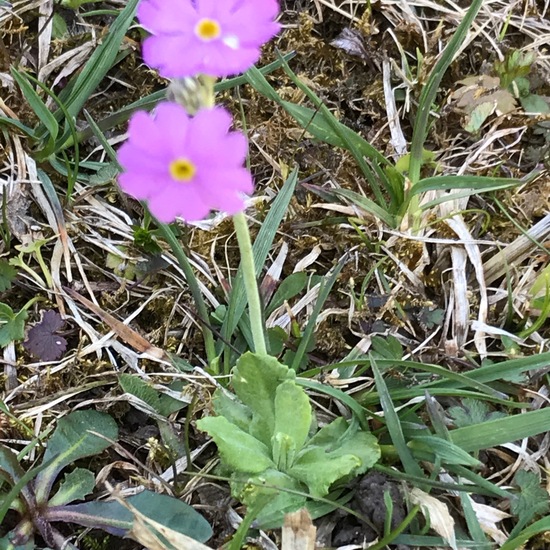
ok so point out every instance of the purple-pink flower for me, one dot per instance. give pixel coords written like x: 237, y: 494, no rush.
x: 185, y: 166
x: 213, y: 37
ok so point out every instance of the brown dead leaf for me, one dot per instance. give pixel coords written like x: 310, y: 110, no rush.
x: 298, y: 531
x: 123, y: 331
x: 479, y: 98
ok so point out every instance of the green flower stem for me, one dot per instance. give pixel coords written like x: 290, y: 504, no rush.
x: 250, y: 283
x: 252, y: 513
x: 194, y: 287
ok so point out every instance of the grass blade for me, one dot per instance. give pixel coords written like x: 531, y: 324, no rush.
x: 326, y: 286
x: 478, y: 183
x: 99, y: 63
x: 540, y: 526
x: 503, y: 430
x: 51, y: 127
x: 429, y: 92
x: 394, y: 425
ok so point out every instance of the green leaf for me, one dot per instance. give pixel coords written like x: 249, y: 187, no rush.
x: 280, y: 487
x: 59, y: 27
x: 118, y: 520
x: 336, y: 451
x: 255, y: 379
x: 478, y: 116
x: 12, y: 325
x: 402, y: 165
x: 7, y: 275
x: 442, y: 449
x: 76, y: 485
x: 71, y: 441
x: 134, y: 385
x: 342, y: 437
x: 276, y: 339
x: 388, y: 347
x: 232, y: 409
x: 533, y: 499
x: 107, y: 173
x: 293, y: 419
x: 238, y: 450
x: 473, y: 411
x: 534, y: 104
x: 282, y: 490
x: 290, y: 287
x: 10, y: 469
x: 319, y: 472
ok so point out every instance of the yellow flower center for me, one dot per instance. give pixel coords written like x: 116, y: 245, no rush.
x: 182, y: 170
x: 208, y: 29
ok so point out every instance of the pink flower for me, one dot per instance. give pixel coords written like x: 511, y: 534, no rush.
x: 214, y: 37
x: 182, y: 166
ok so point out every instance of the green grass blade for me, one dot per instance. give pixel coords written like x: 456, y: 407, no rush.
x: 7, y: 121
x: 429, y: 92
x: 52, y: 146
x: 455, y: 379
x: 478, y: 183
x: 97, y: 132
x: 51, y: 126
x: 479, y: 482
x: 322, y: 124
x: 350, y: 140
x: 394, y: 425
x: 507, y: 370
x: 99, y: 64
x: 426, y: 541
x: 366, y: 204
x: 326, y: 286
x: 503, y: 430
x: 540, y: 526
x: 476, y: 532
x: 415, y: 481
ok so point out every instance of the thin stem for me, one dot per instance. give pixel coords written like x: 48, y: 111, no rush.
x: 254, y: 509
x: 250, y: 283
x: 180, y: 255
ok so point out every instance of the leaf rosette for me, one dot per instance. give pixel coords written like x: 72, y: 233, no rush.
x: 269, y: 444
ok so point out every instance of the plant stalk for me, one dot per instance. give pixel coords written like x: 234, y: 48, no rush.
x: 250, y: 283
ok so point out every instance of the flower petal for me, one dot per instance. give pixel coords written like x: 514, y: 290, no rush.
x: 217, y: 153
x: 165, y: 16
x: 145, y: 135
x: 176, y: 51
x: 171, y: 55
x: 140, y: 186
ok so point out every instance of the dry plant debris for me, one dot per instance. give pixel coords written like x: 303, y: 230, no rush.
x: 456, y: 294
